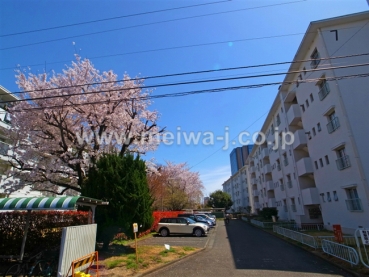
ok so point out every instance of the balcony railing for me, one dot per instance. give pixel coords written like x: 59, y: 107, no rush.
x: 293, y: 208
x: 354, y: 204
x: 289, y: 184
x: 333, y: 125
x: 343, y: 162
x: 324, y: 91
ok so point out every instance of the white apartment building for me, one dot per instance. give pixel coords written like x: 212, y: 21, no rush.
x: 322, y: 177
x: 237, y: 187
x: 5, y: 144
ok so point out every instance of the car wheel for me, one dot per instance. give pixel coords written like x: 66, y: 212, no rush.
x: 164, y: 232
x: 198, y: 232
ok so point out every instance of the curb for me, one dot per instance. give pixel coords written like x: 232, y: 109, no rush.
x: 312, y: 252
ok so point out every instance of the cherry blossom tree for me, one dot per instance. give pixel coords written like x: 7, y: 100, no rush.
x: 64, y: 122
x: 175, y: 187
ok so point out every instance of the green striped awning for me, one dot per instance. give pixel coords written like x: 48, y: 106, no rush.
x: 47, y: 203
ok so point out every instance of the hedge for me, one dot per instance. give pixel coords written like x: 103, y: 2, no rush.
x: 44, y: 230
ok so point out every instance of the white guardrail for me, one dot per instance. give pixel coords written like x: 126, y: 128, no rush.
x: 300, y: 237
x: 340, y: 251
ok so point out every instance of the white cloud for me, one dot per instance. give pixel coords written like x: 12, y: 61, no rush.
x: 214, y: 178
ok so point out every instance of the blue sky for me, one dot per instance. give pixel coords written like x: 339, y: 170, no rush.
x: 220, y: 35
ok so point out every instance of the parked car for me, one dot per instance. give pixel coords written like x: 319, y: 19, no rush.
x: 181, y: 225
x: 198, y: 219
x: 208, y: 218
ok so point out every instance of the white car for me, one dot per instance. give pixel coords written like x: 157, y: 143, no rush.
x: 181, y: 225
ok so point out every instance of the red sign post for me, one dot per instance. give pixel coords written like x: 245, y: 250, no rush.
x: 337, y: 231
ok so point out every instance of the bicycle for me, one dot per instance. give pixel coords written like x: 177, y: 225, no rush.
x: 34, y: 266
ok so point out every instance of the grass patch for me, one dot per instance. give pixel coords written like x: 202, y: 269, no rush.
x: 125, y: 264
x: 113, y: 263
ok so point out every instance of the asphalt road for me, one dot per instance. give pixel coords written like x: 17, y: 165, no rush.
x: 239, y: 249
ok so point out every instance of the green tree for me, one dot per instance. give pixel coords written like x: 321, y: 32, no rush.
x: 121, y: 180
x: 220, y: 199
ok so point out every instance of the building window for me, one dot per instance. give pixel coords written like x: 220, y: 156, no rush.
x: 316, y: 165
x: 314, y: 133
x: 343, y: 160
x: 304, y: 69
x: 315, y: 59
x: 335, y: 196
x: 311, y: 97
x: 278, y: 120
x: 326, y: 160
x: 353, y: 202
x: 281, y: 110
x: 333, y: 122
x: 319, y: 127
x: 321, y: 162
x: 322, y: 196
x: 272, y: 129
x: 329, y: 197
x: 307, y: 103
x: 299, y: 78
x: 278, y: 165
x: 293, y: 205
x: 285, y: 160
x: 289, y: 182
x: 303, y: 108
x: 323, y: 89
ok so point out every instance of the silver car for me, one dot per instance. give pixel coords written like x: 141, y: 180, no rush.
x: 181, y: 225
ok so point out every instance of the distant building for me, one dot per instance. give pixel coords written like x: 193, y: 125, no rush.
x: 206, y: 200
x: 238, y: 157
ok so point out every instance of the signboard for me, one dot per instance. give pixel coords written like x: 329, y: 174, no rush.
x: 135, y: 228
x: 337, y: 231
x: 365, y: 236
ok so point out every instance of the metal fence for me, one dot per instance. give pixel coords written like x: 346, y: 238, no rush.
x: 347, y: 240
x: 340, y: 251
x: 300, y: 237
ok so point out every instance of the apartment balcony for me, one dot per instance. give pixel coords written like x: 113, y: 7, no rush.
x: 254, y: 181
x: 285, y: 208
x: 271, y: 202
x: 310, y: 196
x: 265, y: 153
x: 333, y: 125
x: 294, y: 114
x: 343, y: 162
x: 269, y: 185
x: 354, y: 205
x: 285, y: 162
x: 304, y: 166
x: 293, y: 208
x: 282, y: 187
x: 278, y: 167
x: 252, y: 169
x: 267, y: 169
x: 290, y: 96
x: 300, y: 139
x: 255, y: 193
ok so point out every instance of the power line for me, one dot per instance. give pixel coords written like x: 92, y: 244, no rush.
x: 182, y: 83
x: 142, y: 25
x: 181, y: 94
x: 109, y: 18
x: 171, y: 48
x: 206, y: 71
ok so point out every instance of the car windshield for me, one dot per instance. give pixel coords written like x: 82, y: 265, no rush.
x: 191, y: 220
